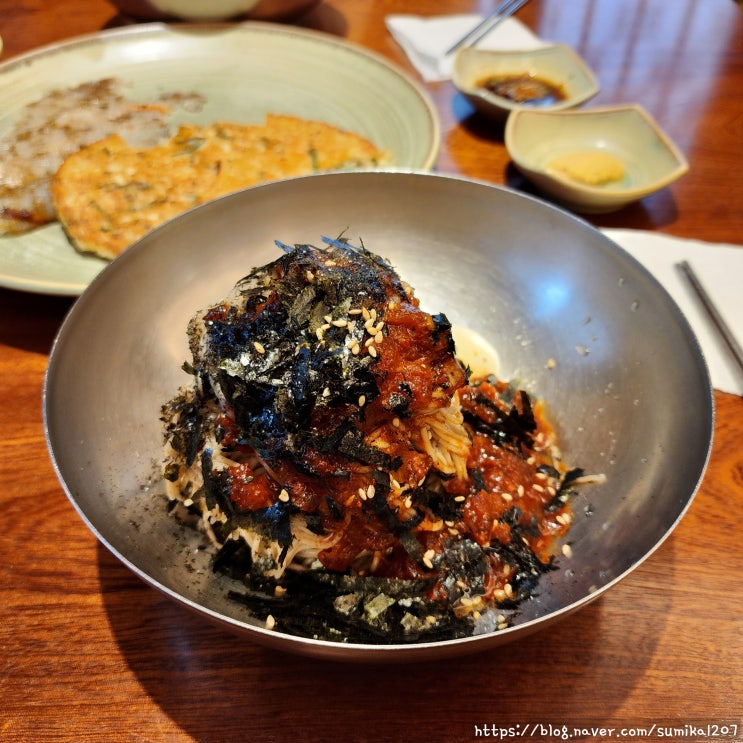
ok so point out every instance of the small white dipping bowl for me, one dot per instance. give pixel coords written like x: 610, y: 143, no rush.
x: 556, y: 64
x: 626, y: 133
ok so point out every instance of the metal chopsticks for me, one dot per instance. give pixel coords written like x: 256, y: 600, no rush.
x: 722, y: 327
x: 503, y: 11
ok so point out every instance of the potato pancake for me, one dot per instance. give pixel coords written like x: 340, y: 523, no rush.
x: 110, y: 194
x: 60, y: 123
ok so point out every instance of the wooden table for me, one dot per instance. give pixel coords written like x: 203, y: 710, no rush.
x: 89, y: 652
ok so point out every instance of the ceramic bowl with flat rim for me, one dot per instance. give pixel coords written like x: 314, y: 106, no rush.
x: 574, y: 318
x: 556, y: 64
x: 214, y: 10
x: 626, y: 133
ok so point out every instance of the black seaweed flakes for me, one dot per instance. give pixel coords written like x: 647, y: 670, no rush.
x: 513, y: 429
x: 275, y: 385
x: 291, y: 359
x: 360, y: 610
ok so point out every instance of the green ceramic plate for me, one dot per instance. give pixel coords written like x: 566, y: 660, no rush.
x: 244, y: 71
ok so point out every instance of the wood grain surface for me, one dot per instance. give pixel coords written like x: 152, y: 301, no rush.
x: 88, y: 652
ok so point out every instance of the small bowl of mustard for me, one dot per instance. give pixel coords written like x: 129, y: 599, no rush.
x: 595, y: 160
x: 550, y: 77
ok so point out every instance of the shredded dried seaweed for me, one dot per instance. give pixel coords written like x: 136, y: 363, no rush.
x: 281, y: 361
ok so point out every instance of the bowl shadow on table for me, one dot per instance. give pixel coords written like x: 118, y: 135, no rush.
x: 579, y: 670
x: 36, y: 319
x: 476, y: 123
x: 652, y: 212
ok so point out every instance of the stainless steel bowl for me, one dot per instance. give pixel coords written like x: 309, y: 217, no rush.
x: 629, y: 389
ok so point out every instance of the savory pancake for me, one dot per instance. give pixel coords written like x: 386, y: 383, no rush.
x: 58, y: 124
x: 110, y: 194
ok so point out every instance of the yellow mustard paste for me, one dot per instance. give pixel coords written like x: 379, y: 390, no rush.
x: 591, y: 167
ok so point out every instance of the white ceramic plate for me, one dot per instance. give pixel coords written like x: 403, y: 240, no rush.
x: 245, y: 71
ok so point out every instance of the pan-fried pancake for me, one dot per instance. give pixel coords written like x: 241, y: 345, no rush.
x: 58, y: 124
x: 110, y: 194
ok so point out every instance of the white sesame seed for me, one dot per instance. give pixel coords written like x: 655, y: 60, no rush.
x: 310, y: 276
x: 538, y: 488
x: 378, y: 338
x: 259, y: 347
x: 520, y: 490
x: 459, y: 499
x: 270, y: 622
x: 326, y: 392
x: 396, y: 422
x: 362, y: 400
x: 370, y: 491
x: 328, y: 318
x: 567, y: 550
x: 354, y: 312
x: 340, y: 323
x: 372, y: 352
x: 506, y: 497
x: 284, y: 496
x: 368, y: 342
x: 508, y: 590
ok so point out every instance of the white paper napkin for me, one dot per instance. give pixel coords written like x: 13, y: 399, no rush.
x: 720, y: 271
x: 426, y: 39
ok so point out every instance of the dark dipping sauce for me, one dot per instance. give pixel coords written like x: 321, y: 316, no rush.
x: 524, y: 89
